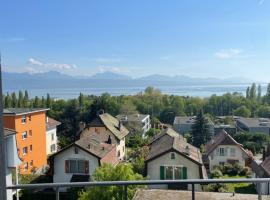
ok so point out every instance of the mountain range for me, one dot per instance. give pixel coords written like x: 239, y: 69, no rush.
x: 54, y: 79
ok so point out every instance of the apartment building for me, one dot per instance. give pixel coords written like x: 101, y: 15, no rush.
x: 30, y: 125
x: 51, y: 135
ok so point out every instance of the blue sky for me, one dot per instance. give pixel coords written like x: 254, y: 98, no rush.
x: 209, y: 38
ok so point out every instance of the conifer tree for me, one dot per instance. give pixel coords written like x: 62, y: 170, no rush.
x: 25, y: 99
x: 20, y: 100
x: 14, y: 101
x: 8, y: 101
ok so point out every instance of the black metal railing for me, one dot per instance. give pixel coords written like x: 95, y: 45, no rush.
x: 125, y: 184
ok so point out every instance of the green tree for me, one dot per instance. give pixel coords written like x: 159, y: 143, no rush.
x: 248, y: 93
x: 242, y: 111
x: 43, y: 102
x: 14, y: 101
x: 20, y: 99
x: 48, y: 101
x: 25, y: 99
x: 36, y: 102
x: 121, y: 172
x: 8, y: 101
x: 200, y: 130
x: 259, y: 97
x: 253, y: 92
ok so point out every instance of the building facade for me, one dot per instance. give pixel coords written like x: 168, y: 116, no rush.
x: 171, y: 157
x: 223, y: 149
x: 136, y: 120
x: 51, y: 135
x: 30, y: 125
x: 108, y: 130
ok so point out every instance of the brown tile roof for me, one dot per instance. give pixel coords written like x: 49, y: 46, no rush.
x: 110, y: 123
x: 171, y: 140
x: 52, y: 123
x: 223, y: 138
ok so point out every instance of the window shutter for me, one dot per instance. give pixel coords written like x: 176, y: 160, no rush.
x: 67, y: 166
x: 184, y: 172
x: 86, y: 165
x: 161, y: 172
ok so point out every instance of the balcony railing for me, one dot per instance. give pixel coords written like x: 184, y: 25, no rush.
x: 125, y: 184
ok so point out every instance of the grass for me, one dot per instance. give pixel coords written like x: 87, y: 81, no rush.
x: 243, y: 188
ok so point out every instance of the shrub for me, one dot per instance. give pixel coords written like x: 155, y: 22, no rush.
x: 216, y: 173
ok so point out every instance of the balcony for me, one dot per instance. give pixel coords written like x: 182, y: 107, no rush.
x: 157, y: 194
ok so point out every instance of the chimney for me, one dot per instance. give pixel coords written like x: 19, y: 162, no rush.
x: 81, y: 126
x: 119, y: 125
x: 187, y: 150
x: 47, y: 119
x: 89, y: 146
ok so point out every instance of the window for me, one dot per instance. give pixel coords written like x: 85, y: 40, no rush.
x: 25, y: 166
x: 23, y: 119
x: 25, y: 150
x: 222, y: 163
x: 53, y: 148
x: 30, y: 117
x: 172, y: 156
x: 232, y: 152
x: 24, y: 135
x: 52, y: 137
x: 76, y: 150
x: 221, y: 152
x: 118, y: 154
x: 31, y: 163
x: 173, y: 172
x: 77, y: 166
x: 30, y: 132
x: 30, y: 147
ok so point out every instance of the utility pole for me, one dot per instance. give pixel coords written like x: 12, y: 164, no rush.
x: 3, y: 191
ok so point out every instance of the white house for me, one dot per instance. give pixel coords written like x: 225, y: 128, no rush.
x: 171, y: 157
x: 223, y: 149
x: 78, y: 161
x: 12, y: 158
x: 140, y: 120
x: 51, y: 135
x: 109, y: 130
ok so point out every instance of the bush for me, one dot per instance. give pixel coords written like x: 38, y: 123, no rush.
x: 216, y: 173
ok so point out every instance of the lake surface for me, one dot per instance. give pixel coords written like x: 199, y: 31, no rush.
x: 181, y: 90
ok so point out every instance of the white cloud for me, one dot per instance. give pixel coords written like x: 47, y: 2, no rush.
x: 228, y: 53
x: 102, y: 69
x: 51, y: 66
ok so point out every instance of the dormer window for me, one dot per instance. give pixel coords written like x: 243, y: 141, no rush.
x: 173, y: 156
x: 76, y: 150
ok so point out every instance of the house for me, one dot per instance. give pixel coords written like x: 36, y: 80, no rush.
x: 184, y: 125
x: 30, y: 125
x: 109, y: 129
x: 253, y: 125
x: 231, y: 129
x: 51, y: 135
x: 136, y: 120
x: 78, y: 161
x: 223, y: 149
x: 12, y: 158
x: 171, y: 157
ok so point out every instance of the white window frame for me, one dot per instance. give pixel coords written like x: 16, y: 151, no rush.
x: 23, y: 120
x: 24, y: 135
x: 173, y: 166
x: 53, y: 145
x: 221, y: 153
x: 77, y: 165
x: 25, y: 166
x: 52, y: 137
x: 25, y: 152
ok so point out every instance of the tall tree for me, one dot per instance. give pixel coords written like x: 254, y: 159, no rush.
x: 259, y: 97
x: 8, y: 101
x: 253, y: 92
x: 248, y: 93
x: 200, y: 130
x: 48, y: 101
x: 43, y: 102
x: 14, y: 101
x: 25, y: 99
x: 81, y: 100
x: 20, y: 99
x: 36, y: 102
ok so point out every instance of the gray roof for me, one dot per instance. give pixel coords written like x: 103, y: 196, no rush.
x: 132, y: 117
x: 8, y: 132
x: 171, y: 140
x: 187, y: 120
x: 23, y: 111
x: 254, y: 122
x: 52, y: 123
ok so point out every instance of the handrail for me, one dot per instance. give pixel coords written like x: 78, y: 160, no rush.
x: 125, y: 184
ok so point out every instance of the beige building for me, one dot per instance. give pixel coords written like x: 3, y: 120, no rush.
x: 223, y: 149
x: 172, y: 158
x: 109, y: 130
x: 51, y: 135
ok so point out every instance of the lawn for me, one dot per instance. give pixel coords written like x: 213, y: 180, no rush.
x: 243, y: 188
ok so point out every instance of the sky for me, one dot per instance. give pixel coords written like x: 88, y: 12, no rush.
x: 209, y: 38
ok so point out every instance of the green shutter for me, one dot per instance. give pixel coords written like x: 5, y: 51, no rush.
x: 161, y: 172
x: 184, y: 172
